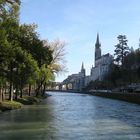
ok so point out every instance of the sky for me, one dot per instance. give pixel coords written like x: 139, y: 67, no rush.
x: 77, y: 22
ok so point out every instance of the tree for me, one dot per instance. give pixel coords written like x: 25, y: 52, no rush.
x: 121, y: 50
x: 132, y: 65
x: 45, y: 76
x: 2, y: 88
x: 26, y: 69
x: 24, y: 57
x: 9, y: 9
x: 58, y: 63
x: 29, y: 40
x: 9, y: 18
x: 42, y: 54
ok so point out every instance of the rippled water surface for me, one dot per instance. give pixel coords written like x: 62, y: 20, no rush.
x: 71, y: 116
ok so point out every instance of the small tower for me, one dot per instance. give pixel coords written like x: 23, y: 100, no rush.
x: 83, y: 72
x: 97, y: 48
x: 82, y: 78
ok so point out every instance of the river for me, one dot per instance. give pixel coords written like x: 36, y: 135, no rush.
x: 72, y: 116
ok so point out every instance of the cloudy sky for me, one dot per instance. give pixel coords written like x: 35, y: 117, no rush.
x: 77, y: 22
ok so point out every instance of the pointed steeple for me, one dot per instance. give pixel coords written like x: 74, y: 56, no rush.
x: 97, y: 48
x: 83, y: 71
x: 82, y: 66
x: 97, y: 44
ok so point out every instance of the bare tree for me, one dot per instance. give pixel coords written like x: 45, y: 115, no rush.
x: 58, y: 64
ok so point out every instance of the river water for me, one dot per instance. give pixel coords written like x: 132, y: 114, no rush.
x: 72, y: 116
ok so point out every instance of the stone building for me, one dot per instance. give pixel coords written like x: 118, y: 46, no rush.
x: 102, y: 64
x: 77, y: 81
x: 98, y: 71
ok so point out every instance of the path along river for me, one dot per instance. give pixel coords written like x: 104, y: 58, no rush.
x: 72, y: 116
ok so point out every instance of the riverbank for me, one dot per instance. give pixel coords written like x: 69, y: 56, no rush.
x: 17, y: 104
x: 9, y: 105
x: 128, y: 97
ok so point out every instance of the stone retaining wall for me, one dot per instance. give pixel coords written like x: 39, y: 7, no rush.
x: 129, y: 97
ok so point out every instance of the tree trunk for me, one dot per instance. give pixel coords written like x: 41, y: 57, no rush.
x: 39, y: 86
x: 3, y: 94
x: 44, y: 89
x: 16, y: 94
x: 11, y: 92
x: 21, y: 93
x: 5, y: 90
x: 30, y: 89
x: 11, y: 83
x: 0, y: 94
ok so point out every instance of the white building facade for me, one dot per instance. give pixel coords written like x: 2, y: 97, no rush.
x: 102, y: 64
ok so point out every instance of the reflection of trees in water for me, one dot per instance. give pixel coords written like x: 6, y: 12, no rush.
x: 31, y: 122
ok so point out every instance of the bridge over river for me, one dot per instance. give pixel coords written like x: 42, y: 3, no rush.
x: 72, y: 116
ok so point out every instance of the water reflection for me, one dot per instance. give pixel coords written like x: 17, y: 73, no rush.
x: 67, y: 116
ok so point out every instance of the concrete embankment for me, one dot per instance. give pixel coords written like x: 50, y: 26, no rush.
x: 129, y: 97
x: 70, y: 91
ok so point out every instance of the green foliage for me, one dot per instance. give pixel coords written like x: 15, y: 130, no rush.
x: 24, y: 58
x: 121, y: 49
x: 25, y: 68
x: 132, y: 65
x: 128, y: 72
x: 124, y: 71
x: 29, y: 40
x: 96, y: 85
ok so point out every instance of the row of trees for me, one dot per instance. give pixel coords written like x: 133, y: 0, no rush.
x: 25, y: 59
x: 125, y: 68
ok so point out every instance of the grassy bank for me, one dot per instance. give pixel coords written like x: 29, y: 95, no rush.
x: 9, y: 105
x: 16, y: 104
x: 29, y: 100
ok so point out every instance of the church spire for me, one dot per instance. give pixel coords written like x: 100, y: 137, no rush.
x: 82, y: 66
x: 97, y: 48
x: 83, y: 71
x: 97, y: 41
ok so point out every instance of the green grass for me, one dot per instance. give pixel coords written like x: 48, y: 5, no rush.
x: 16, y: 104
x: 28, y: 100
x: 9, y: 105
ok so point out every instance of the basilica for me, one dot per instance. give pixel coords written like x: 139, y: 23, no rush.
x: 100, y: 69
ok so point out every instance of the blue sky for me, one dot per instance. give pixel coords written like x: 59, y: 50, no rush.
x: 77, y: 22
